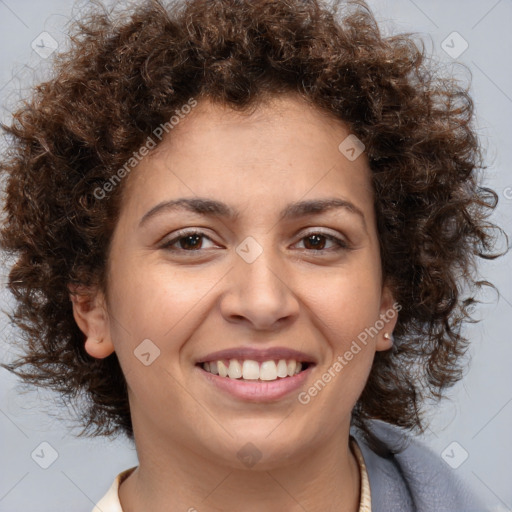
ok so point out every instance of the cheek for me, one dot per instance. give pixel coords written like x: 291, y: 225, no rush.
x: 346, y: 309
x: 154, y: 311
x: 346, y: 302
x: 153, y: 301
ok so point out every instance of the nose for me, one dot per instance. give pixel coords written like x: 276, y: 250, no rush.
x: 260, y: 293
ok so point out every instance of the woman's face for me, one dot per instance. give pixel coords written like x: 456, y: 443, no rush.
x: 253, y: 275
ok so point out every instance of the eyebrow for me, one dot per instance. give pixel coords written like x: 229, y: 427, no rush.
x: 211, y: 207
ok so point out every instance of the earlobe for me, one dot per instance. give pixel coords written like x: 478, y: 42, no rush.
x: 388, y: 316
x: 98, y: 348
x: 91, y: 317
x: 386, y: 342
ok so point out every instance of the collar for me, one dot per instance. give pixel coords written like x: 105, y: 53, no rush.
x: 110, y: 502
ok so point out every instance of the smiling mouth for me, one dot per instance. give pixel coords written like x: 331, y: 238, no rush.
x: 254, y: 371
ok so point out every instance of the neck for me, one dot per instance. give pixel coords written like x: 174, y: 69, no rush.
x: 189, y: 481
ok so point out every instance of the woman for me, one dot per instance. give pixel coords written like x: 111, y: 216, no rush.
x: 241, y: 231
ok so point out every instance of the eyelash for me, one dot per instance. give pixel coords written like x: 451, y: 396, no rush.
x: 341, y: 244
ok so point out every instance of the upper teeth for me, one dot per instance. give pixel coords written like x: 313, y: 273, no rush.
x: 252, y: 370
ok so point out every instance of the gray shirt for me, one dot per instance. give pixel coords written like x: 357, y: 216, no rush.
x: 413, y: 478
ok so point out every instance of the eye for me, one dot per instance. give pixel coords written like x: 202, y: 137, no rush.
x: 193, y: 241
x: 187, y: 241
x: 316, y: 241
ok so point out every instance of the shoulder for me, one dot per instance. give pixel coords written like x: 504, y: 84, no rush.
x: 411, y: 477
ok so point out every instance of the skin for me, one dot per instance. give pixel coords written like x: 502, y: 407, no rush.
x: 187, y: 432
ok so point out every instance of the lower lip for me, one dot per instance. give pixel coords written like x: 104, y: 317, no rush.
x: 257, y: 391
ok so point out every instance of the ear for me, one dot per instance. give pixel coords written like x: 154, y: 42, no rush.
x: 389, y: 309
x: 91, y: 317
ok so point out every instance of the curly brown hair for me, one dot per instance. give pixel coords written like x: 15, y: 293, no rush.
x: 124, y: 75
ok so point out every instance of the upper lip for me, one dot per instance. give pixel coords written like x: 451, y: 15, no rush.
x: 258, y: 354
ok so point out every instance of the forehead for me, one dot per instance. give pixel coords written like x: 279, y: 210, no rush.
x: 265, y: 130
x: 282, y: 147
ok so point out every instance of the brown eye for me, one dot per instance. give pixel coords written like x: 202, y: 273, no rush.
x: 315, y: 242
x: 187, y: 242
x: 318, y: 241
x: 190, y: 242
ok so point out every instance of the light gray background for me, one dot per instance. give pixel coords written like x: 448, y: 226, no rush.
x: 479, y: 414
